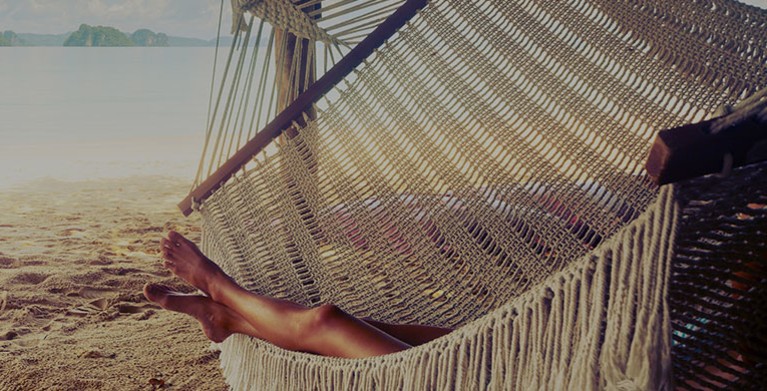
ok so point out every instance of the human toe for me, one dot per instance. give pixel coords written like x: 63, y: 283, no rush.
x: 169, y: 264
x: 176, y: 238
x: 167, y: 243
x: 154, y: 292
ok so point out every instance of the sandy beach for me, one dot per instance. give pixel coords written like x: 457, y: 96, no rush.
x: 73, y: 259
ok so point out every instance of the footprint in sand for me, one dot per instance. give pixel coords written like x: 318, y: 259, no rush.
x: 102, y: 305
x: 23, y: 321
x: 146, y: 314
x: 22, y: 337
x: 8, y: 263
x: 95, y: 293
x: 103, y: 260
x: 28, y: 342
x: 136, y: 309
x: 9, y: 335
x: 96, y: 354
x: 90, y: 308
x: 29, y: 278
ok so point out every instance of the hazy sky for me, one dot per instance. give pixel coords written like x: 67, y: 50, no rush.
x: 190, y: 18
x: 758, y: 3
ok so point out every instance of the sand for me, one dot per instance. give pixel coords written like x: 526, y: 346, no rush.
x: 73, y: 259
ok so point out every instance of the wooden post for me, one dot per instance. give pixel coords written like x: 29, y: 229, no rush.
x: 287, y: 47
x: 295, y: 73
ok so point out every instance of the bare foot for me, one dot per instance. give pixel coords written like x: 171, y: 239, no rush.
x: 218, y: 322
x: 185, y: 260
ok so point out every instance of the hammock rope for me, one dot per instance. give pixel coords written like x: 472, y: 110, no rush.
x: 274, y: 93
x: 482, y: 169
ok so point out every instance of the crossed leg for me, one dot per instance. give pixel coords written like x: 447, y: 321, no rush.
x: 229, y: 308
x: 217, y: 321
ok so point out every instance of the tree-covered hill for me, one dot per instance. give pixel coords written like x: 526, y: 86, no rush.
x: 145, y: 37
x: 9, y: 38
x: 98, y: 36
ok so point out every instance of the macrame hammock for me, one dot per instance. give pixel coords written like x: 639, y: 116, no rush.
x: 480, y: 165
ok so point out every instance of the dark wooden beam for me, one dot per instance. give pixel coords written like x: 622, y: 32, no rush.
x: 303, y: 103
x: 693, y: 150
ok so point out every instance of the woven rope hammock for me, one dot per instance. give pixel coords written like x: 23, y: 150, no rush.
x: 479, y: 165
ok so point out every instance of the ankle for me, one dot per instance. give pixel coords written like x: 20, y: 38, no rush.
x: 219, y: 283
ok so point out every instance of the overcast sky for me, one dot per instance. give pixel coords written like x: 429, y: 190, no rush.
x: 758, y: 3
x: 188, y: 18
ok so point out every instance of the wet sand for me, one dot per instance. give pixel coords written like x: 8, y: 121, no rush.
x: 73, y: 259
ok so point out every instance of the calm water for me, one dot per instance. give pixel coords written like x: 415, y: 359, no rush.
x: 81, y: 113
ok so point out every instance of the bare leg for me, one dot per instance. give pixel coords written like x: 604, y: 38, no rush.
x: 412, y: 334
x: 324, y: 330
x: 217, y: 321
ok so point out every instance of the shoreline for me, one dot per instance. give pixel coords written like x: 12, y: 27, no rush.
x: 26, y: 163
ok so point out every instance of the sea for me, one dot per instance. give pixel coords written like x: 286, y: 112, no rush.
x: 71, y: 113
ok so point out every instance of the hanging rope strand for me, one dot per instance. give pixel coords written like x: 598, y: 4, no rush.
x: 247, y: 92
x: 226, y: 121
x: 365, y: 18
x: 259, y: 91
x: 224, y: 78
x: 209, y: 121
x: 263, y: 86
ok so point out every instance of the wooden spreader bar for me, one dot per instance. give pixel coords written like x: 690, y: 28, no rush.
x: 694, y: 150
x: 303, y: 102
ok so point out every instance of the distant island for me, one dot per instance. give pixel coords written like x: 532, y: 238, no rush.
x: 95, y: 36
x: 98, y: 36
x: 9, y: 38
